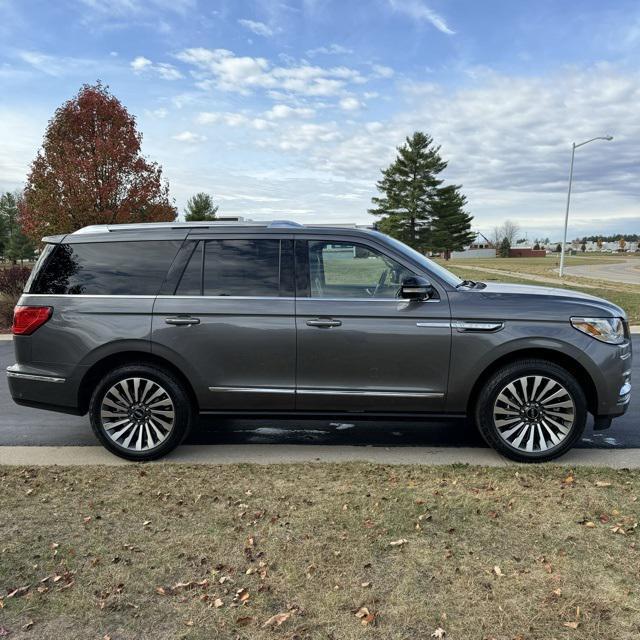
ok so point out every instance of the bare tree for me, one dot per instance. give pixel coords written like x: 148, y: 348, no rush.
x: 508, y: 229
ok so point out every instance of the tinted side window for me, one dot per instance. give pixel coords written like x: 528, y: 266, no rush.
x: 350, y: 270
x: 242, y: 268
x: 106, y: 268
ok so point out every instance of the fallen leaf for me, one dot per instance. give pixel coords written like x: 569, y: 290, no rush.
x: 365, y: 616
x: 589, y: 524
x: 498, y: 571
x: 398, y: 543
x: 365, y: 585
x: 571, y: 625
x: 242, y: 595
x: 277, y: 620
x: 16, y: 593
x: 244, y: 621
x: 439, y: 633
x: 27, y: 626
x: 569, y: 479
x: 602, y: 483
x: 217, y: 603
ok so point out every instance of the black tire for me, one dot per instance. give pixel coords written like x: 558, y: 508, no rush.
x: 496, y: 384
x: 154, y: 377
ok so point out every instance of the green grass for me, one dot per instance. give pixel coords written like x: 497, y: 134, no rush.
x: 171, y: 551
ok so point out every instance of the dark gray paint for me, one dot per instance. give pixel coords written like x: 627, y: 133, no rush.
x: 378, y: 360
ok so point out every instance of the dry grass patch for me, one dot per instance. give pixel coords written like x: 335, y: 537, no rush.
x: 319, y: 551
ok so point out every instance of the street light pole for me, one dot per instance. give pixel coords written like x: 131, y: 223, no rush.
x: 574, y: 146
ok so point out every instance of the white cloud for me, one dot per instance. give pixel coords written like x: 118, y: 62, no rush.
x: 417, y: 10
x: 189, y: 137
x: 283, y: 111
x: 222, y: 69
x: 56, y: 65
x: 163, y: 69
x: 232, y: 119
x: 259, y: 28
x: 381, y: 71
x: 140, y: 63
x: 331, y: 50
x: 167, y: 71
x: 134, y: 8
x: 350, y: 103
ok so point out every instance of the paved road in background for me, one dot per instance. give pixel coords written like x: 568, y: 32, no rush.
x: 627, y: 271
x: 24, y: 426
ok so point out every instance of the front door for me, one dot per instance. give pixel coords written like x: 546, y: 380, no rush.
x: 360, y: 347
x: 229, y: 323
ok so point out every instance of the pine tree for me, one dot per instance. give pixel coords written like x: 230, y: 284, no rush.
x: 409, y: 187
x: 451, y: 225
x: 200, y: 208
x: 15, y: 244
x: 505, y: 247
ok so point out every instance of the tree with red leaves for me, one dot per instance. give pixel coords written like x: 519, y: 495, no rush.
x: 90, y: 170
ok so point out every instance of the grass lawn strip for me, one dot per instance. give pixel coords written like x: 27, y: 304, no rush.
x: 319, y: 551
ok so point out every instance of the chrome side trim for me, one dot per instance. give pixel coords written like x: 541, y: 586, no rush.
x: 389, y: 394
x: 84, y: 295
x: 32, y: 376
x: 470, y: 326
x: 329, y: 392
x: 252, y: 389
x: 439, y: 325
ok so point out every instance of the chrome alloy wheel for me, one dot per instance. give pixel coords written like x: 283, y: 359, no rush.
x: 534, y: 413
x: 137, y: 414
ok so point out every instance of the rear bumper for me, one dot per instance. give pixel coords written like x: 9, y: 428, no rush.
x: 42, y: 389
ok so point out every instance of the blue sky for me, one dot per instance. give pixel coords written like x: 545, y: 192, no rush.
x: 289, y: 108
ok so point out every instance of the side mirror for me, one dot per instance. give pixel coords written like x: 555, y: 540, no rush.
x: 416, y: 288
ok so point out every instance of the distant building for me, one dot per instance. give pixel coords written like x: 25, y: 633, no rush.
x: 481, y: 247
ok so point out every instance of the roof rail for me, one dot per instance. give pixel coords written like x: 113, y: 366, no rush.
x: 139, y: 226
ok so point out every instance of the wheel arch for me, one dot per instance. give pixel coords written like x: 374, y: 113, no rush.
x: 113, y: 360
x: 559, y: 358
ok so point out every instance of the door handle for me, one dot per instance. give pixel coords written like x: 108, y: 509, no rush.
x: 324, y: 323
x: 182, y: 320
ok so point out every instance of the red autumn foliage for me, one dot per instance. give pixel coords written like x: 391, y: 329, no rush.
x: 90, y: 170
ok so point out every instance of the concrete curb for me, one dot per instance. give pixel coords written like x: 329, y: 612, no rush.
x: 287, y: 454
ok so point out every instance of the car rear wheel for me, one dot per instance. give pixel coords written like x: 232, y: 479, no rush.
x: 531, y: 411
x: 140, y: 412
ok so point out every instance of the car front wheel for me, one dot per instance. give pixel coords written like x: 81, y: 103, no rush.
x: 531, y: 411
x: 140, y: 412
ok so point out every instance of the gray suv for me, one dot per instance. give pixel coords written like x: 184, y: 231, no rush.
x: 146, y: 326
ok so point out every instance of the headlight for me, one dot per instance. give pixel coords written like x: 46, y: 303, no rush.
x: 609, y: 330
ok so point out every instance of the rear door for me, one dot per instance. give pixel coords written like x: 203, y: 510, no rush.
x: 229, y: 321
x: 360, y: 347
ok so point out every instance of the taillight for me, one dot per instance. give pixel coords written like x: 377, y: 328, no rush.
x: 27, y: 319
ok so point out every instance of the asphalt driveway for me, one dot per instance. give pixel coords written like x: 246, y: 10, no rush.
x: 33, y: 427
x: 627, y: 272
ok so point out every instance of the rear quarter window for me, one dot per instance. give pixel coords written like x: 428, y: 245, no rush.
x: 105, y: 268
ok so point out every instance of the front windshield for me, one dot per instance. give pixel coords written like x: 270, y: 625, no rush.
x: 423, y: 261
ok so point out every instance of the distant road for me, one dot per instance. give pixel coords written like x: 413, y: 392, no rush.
x: 627, y: 271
